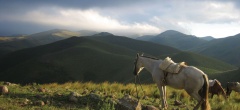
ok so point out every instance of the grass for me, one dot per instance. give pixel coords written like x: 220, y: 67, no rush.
x: 56, y: 97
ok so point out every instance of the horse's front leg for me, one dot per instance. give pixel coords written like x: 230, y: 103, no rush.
x: 162, y: 96
x: 165, y: 95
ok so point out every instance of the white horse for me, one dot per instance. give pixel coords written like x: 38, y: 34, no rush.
x: 193, y: 80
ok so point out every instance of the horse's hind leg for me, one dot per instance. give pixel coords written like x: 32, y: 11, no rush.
x: 196, y: 96
x: 198, y: 105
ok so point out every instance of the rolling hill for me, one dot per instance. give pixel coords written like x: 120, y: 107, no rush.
x: 96, y: 58
x: 136, y: 45
x: 73, y: 59
x: 226, y: 49
x: 227, y: 76
x: 175, y: 39
x: 65, y: 58
x: 10, y: 44
x: 207, y: 64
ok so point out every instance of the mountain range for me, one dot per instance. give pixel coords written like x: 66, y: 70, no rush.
x: 175, y: 39
x: 226, y: 49
x: 72, y: 59
x: 56, y: 56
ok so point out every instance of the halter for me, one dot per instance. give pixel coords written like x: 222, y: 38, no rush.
x: 137, y: 77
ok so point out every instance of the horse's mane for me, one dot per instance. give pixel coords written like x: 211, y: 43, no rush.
x: 154, y: 58
x: 217, y: 82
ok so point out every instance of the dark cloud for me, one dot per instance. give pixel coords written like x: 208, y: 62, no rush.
x: 12, y: 28
x: 81, y: 4
x: 26, y: 16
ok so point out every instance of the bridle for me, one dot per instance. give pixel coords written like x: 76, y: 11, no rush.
x: 137, y: 77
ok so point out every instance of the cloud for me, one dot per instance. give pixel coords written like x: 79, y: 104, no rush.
x: 128, y: 16
x: 220, y: 30
x: 200, y: 18
x: 82, y: 19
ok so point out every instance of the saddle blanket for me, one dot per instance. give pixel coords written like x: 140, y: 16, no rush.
x: 170, y: 66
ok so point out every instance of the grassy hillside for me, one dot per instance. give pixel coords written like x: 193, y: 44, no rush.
x: 207, y: 64
x: 36, y: 39
x: 100, y: 96
x: 227, y: 76
x: 78, y: 59
x: 226, y: 49
x: 13, y: 45
x: 97, y: 59
x: 68, y: 60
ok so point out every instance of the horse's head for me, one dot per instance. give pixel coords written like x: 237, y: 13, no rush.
x: 228, y: 89
x: 232, y: 86
x: 138, y: 66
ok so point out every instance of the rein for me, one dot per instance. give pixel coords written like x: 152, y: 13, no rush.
x: 139, y: 84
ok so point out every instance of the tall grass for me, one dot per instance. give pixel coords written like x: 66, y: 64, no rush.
x: 57, y: 96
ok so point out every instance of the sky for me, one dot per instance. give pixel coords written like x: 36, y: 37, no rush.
x: 216, y: 18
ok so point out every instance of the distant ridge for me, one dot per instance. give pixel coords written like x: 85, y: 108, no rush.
x: 170, y: 33
x: 175, y: 39
x: 103, y: 34
x: 207, y: 38
x: 139, y: 46
x: 145, y: 37
x: 226, y: 49
x: 87, y: 32
x: 37, y: 39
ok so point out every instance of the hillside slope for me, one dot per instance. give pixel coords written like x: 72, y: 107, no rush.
x: 73, y: 59
x: 227, y: 76
x: 226, y: 49
x: 95, y: 59
x: 207, y: 64
x: 37, y: 39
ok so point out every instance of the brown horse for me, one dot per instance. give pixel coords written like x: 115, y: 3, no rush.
x: 216, y: 88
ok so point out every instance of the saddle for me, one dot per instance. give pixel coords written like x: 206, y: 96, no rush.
x: 170, y: 66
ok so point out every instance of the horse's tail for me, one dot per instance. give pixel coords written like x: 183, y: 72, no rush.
x: 204, y: 94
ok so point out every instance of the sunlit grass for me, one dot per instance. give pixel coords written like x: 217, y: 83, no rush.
x: 57, y: 96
